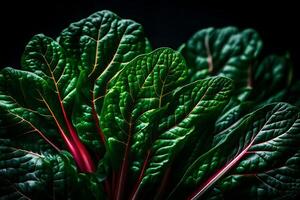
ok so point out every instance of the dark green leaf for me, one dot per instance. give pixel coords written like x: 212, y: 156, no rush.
x: 140, y: 96
x: 271, y: 79
x: 23, y: 111
x: 263, y: 149
x: 141, y: 125
x: 45, y: 91
x: 102, y: 44
x: 225, y: 51
x: 141, y: 90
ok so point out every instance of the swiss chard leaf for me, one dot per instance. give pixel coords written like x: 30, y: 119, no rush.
x: 44, y: 92
x: 141, y: 96
x: 31, y: 175
x: 226, y: 51
x: 262, y: 149
x: 22, y: 117
x: 56, y: 97
x: 101, y: 45
x: 275, y: 74
x: 280, y: 83
x: 140, y: 90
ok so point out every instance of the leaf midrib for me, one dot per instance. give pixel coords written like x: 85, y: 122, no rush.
x: 225, y: 169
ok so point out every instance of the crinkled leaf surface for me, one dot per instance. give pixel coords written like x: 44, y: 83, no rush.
x: 60, y: 81
x: 140, y: 97
x: 263, y: 149
x: 101, y: 44
x: 41, y: 92
x: 26, y: 174
x: 274, y: 73
x: 44, y: 90
x: 141, y: 125
x: 232, y: 113
x: 280, y: 83
x: 225, y: 51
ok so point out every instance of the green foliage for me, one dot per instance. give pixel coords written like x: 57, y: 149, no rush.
x: 96, y: 114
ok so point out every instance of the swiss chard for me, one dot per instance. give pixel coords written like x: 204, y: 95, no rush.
x: 96, y: 114
x: 226, y: 51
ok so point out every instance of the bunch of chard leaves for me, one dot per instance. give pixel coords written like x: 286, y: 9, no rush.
x: 96, y: 114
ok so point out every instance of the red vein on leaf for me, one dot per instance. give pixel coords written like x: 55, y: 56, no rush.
x: 95, y: 116
x: 124, y: 167
x: 37, y: 130
x: 96, y: 53
x: 163, y: 184
x: 26, y: 151
x: 144, y: 166
x: 200, y: 191
x: 87, y: 164
x: 67, y: 140
x: 137, y: 186
x: 80, y: 152
x: 99, y: 130
x: 209, y: 55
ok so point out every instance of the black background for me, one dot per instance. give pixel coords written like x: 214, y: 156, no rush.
x: 166, y: 23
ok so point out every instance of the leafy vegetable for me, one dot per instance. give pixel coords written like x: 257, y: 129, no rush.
x: 96, y: 114
x: 262, y: 149
x: 143, y: 91
x: 227, y: 52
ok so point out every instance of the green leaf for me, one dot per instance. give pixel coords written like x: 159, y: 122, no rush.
x: 262, y: 149
x: 102, y: 44
x: 46, y: 58
x: 25, y: 174
x: 44, y: 91
x: 236, y: 110
x: 280, y: 83
x: 23, y: 113
x: 226, y: 51
x: 293, y: 94
x: 185, y: 128
x: 274, y: 73
x: 148, y: 125
x: 142, y: 88
x: 29, y: 175
x: 141, y: 96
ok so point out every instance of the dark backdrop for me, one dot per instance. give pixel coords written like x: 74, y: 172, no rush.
x: 166, y: 23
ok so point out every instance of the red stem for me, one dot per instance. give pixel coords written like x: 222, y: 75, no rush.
x: 84, y: 158
x: 216, y: 176
x: 78, y: 150
x: 69, y: 142
x: 73, y: 150
x: 163, y: 184
x: 137, y: 186
x: 99, y: 130
x: 124, y: 167
x: 120, y: 185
